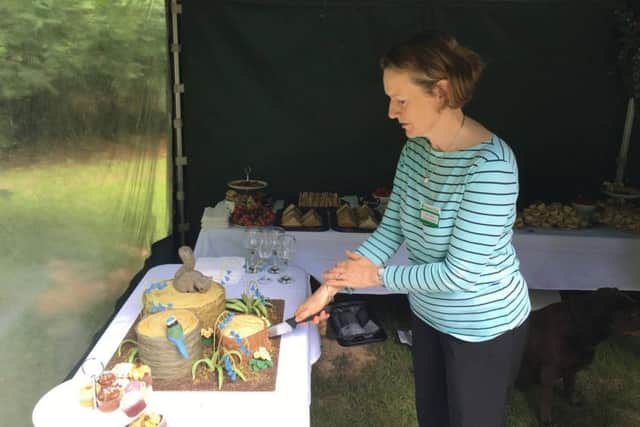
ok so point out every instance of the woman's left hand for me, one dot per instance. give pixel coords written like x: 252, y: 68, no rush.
x: 355, y: 272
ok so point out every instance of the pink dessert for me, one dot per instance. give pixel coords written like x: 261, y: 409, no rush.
x: 133, y: 402
x: 108, y: 398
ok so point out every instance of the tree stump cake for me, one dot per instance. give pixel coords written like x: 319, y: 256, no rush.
x: 245, y: 330
x: 206, y: 305
x: 159, y: 353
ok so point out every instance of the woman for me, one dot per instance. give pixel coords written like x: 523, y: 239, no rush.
x: 454, y: 203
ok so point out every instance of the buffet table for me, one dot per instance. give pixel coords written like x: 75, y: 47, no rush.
x: 550, y: 259
x: 287, y: 405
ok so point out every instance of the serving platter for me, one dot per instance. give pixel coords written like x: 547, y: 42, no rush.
x: 247, y: 185
x: 625, y: 196
x: 333, y: 223
x: 324, y: 215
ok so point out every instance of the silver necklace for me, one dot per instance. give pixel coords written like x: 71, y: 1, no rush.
x: 455, y: 137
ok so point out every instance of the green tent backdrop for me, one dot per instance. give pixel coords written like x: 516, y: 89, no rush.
x: 293, y: 88
x: 88, y: 177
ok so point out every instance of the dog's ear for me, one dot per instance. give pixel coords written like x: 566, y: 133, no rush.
x: 593, y: 304
x: 593, y: 313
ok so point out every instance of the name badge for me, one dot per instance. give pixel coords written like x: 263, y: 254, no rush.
x: 429, y: 215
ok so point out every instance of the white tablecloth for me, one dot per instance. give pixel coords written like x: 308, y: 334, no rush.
x: 315, y: 252
x: 549, y: 259
x: 288, y: 405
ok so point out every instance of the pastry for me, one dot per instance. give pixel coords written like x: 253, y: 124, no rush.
x: 86, y: 395
x: 346, y: 217
x: 368, y: 223
x: 291, y: 216
x: 293, y: 219
x: 289, y: 209
x: 366, y: 217
x: 363, y: 212
x: 311, y: 219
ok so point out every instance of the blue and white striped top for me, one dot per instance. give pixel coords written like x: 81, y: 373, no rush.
x: 464, y: 277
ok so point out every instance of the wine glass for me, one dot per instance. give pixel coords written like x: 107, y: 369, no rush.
x: 284, y: 251
x: 276, y: 233
x: 265, y: 250
x: 251, y: 240
x: 251, y: 237
x: 90, y: 370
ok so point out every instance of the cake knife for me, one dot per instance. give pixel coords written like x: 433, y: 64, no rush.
x: 290, y: 324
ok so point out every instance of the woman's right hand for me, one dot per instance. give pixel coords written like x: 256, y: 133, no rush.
x: 314, y: 305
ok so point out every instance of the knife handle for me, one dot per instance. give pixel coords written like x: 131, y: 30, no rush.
x: 292, y: 320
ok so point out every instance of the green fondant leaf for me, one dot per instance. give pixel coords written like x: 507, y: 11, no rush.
x: 235, y: 353
x: 194, y: 368
x: 263, y: 310
x: 133, y: 354
x: 220, y: 377
x: 239, y: 372
x: 247, y: 300
x: 126, y: 341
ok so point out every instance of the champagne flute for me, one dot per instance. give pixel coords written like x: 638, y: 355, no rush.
x: 285, y: 250
x: 251, y: 237
x: 251, y: 240
x: 277, y: 233
x: 265, y: 249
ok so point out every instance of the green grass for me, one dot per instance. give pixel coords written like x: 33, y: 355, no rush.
x: 380, y: 393
x: 76, y: 223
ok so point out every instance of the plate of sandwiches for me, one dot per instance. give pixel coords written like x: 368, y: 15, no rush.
x: 618, y: 190
x: 360, y: 219
x: 294, y: 218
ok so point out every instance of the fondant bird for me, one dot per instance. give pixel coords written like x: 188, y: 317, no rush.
x: 175, y: 335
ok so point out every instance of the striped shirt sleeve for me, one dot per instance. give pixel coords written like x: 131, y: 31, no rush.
x: 388, y: 237
x: 483, y: 218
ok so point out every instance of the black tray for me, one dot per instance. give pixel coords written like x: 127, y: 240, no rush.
x: 333, y: 219
x: 354, y: 315
x: 324, y: 215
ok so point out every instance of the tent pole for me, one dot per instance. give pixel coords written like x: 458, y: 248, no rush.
x: 626, y: 136
x: 178, y: 89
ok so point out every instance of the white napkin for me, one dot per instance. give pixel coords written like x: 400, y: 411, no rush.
x: 217, y: 217
x: 226, y: 270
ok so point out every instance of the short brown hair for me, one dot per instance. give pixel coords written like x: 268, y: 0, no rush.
x: 436, y: 56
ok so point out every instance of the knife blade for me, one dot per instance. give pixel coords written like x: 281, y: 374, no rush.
x: 290, y: 324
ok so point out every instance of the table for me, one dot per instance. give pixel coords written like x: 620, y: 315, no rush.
x: 287, y: 405
x: 550, y: 259
x: 316, y: 252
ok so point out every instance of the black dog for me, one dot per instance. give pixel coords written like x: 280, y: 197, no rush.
x: 563, y: 337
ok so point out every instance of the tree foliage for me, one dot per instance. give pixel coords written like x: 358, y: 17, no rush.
x: 80, y: 65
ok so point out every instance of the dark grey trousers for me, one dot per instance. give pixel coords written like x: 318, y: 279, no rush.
x: 464, y: 384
